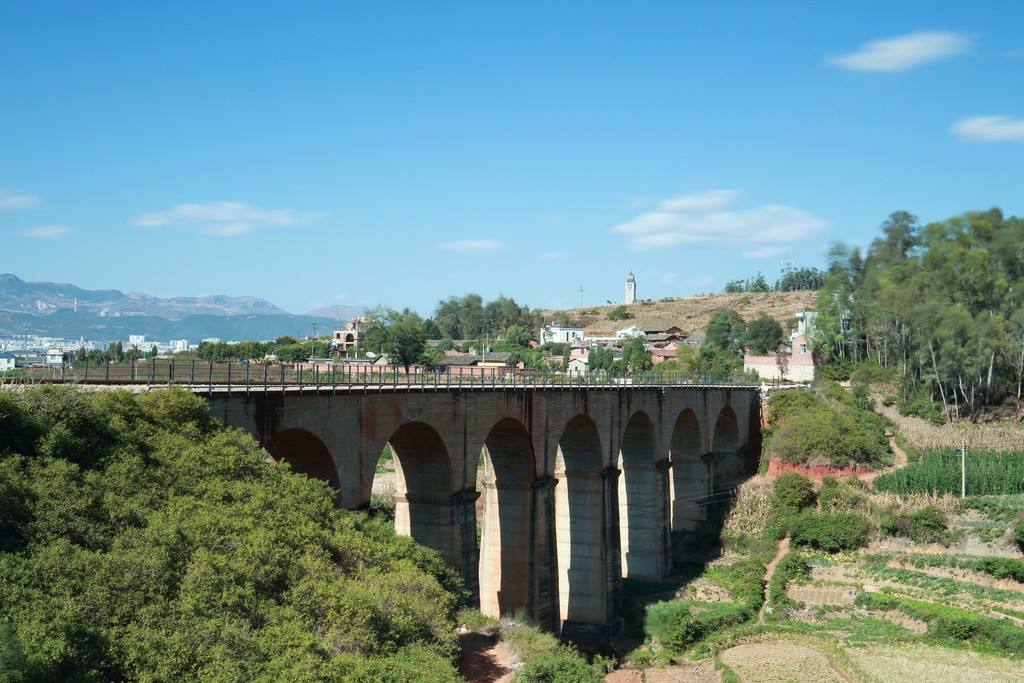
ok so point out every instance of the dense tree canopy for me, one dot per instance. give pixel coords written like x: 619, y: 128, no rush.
x: 467, y: 317
x: 763, y: 335
x: 140, y: 540
x: 941, y: 304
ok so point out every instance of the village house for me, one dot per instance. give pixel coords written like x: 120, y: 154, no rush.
x: 794, y: 360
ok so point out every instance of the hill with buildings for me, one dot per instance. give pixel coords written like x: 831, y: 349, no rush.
x: 690, y: 314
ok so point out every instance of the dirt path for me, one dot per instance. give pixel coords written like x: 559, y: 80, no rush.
x: 899, y: 456
x: 485, y: 659
x: 769, y: 572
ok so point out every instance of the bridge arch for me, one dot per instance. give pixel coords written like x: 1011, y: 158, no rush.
x: 305, y: 453
x: 727, y: 433
x: 506, y: 546
x: 690, y: 473
x: 730, y: 468
x: 642, y: 499
x: 423, y: 488
x: 585, y: 582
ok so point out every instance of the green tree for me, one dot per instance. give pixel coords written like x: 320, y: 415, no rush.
x: 400, y: 334
x: 725, y: 331
x: 635, y: 356
x: 763, y: 335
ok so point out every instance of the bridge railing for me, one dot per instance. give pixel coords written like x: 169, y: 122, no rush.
x: 232, y: 375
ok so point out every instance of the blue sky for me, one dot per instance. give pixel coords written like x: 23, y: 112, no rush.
x: 397, y: 153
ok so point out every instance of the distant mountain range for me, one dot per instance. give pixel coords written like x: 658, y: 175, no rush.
x: 66, y: 310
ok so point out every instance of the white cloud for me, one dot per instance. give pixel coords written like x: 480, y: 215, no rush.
x: 224, y: 219
x: 904, y: 52
x: 552, y: 255
x: 765, y: 252
x: 477, y: 245
x: 47, y: 232
x: 668, y: 278
x: 705, y: 218
x: 12, y: 199
x: 989, y: 129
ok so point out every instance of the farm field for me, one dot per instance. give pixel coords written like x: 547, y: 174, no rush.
x: 944, y: 608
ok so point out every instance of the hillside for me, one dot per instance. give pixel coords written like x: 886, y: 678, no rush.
x: 688, y: 313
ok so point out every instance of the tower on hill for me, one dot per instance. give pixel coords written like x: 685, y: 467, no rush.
x: 630, y: 289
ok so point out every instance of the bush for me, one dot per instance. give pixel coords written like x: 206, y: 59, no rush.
x: 836, y: 371
x: 410, y: 665
x: 563, y: 665
x: 923, y: 407
x: 927, y: 525
x: 835, y: 496
x: 950, y: 623
x: 153, y: 543
x: 678, y: 624
x: 889, y: 400
x: 791, y: 493
x: 792, y: 567
x: 620, y: 313
x: 829, y: 531
x: 869, y: 373
x: 1018, y: 533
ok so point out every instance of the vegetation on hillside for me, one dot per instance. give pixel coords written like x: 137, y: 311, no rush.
x: 141, y: 540
x: 825, y: 425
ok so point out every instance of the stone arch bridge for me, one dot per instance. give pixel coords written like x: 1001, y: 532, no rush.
x: 543, y: 498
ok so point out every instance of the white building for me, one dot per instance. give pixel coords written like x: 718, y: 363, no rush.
x: 556, y: 334
x: 629, y: 332
x: 630, y: 297
x: 54, y: 356
x: 8, y: 361
x: 577, y: 366
x: 178, y: 345
x: 137, y: 340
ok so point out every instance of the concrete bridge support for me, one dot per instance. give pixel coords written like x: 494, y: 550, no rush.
x: 567, y: 490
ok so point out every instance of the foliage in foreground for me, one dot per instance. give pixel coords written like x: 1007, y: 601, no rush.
x: 141, y: 540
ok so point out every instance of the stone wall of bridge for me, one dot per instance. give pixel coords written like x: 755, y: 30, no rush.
x: 579, y: 487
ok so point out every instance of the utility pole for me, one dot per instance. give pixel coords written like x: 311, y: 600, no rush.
x: 963, y: 468
x: 581, y: 296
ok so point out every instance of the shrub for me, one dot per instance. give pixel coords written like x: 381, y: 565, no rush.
x: 563, y: 665
x: 153, y: 543
x: 829, y: 531
x: 783, y: 404
x: 889, y: 400
x: 869, y: 373
x: 619, y: 313
x: 410, y: 665
x: 678, y: 624
x: 836, y: 371
x: 1018, y: 533
x: 835, y: 496
x: 950, y: 623
x: 792, y: 567
x: 927, y: 525
x: 791, y: 493
x: 923, y: 407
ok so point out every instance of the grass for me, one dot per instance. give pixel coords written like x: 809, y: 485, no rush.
x: 884, y: 662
